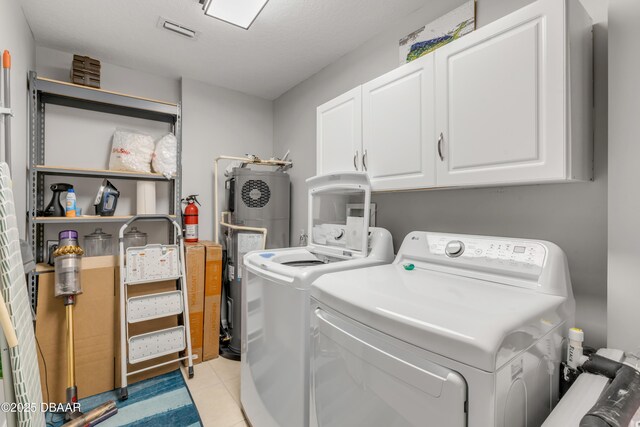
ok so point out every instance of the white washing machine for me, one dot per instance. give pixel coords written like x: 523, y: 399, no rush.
x: 458, y: 331
x: 275, y: 297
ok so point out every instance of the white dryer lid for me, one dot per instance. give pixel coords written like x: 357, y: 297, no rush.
x: 331, y: 231
x: 476, y: 322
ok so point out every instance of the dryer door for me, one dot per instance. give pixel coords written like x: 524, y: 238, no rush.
x: 360, y: 378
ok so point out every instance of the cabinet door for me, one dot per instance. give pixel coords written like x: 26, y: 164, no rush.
x: 500, y: 100
x: 398, y: 127
x: 339, y: 133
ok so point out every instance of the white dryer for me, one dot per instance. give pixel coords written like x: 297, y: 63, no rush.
x: 274, y: 384
x: 458, y: 331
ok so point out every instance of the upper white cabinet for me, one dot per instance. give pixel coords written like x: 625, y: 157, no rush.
x: 398, y: 127
x: 514, y: 99
x: 339, y: 133
x: 510, y: 103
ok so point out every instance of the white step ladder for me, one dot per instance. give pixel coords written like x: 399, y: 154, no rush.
x: 148, y: 264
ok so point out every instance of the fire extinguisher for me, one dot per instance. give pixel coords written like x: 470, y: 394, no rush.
x: 190, y: 218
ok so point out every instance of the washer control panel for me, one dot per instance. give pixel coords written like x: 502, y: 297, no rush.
x: 524, y: 253
x: 509, y: 256
x: 531, y: 264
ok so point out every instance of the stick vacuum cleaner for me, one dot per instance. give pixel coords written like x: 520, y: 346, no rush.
x: 67, y: 259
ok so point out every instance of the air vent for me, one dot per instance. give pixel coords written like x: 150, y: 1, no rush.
x: 177, y: 28
x: 255, y: 193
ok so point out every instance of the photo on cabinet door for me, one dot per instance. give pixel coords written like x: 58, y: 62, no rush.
x: 438, y: 33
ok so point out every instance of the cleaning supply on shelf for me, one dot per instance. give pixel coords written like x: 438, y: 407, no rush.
x: 70, y: 210
x: 55, y: 208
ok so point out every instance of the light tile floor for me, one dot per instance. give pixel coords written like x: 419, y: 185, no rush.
x: 215, y: 388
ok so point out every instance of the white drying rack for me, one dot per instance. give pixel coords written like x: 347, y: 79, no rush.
x: 152, y: 345
x: 20, y: 362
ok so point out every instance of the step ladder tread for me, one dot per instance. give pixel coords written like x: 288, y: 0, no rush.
x: 154, y: 306
x: 153, y: 280
x: 152, y: 345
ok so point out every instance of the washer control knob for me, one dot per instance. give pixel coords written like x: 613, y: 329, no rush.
x: 454, y: 248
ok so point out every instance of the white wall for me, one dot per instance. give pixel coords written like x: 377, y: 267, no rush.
x: 16, y: 37
x: 219, y: 121
x: 55, y: 64
x: 624, y: 152
x: 572, y: 215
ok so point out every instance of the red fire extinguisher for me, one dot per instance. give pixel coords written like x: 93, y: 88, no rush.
x: 190, y: 218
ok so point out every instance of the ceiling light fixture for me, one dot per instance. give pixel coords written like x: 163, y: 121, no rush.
x: 240, y: 13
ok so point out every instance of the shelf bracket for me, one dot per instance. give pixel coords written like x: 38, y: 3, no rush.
x: 5, y: 112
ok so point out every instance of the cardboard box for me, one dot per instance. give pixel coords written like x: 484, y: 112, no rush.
x: 195, y: 253
x: 144, y: 327
x: 212, y: 291
x: 94, y: 324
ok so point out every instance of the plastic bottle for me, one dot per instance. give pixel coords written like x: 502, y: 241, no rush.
x: 71, y: 203
x: 574, y: 349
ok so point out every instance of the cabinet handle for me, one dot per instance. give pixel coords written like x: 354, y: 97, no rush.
x: 440, y: 138
x: 364, y: 160
x: 355, y: 156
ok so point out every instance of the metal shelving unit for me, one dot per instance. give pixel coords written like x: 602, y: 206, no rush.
x: 87, y: 98
x: 43, y: 91
x: 84, y: 219
x: 99, y: 173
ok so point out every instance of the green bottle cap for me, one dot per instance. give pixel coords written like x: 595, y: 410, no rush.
x: 409, y: 267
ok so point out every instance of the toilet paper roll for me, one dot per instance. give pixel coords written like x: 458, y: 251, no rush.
x: 146, y: 201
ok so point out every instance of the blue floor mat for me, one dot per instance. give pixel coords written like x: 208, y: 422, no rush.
x: 160, y: 401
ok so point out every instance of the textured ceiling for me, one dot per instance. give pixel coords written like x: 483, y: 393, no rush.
x: 290, y: 41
